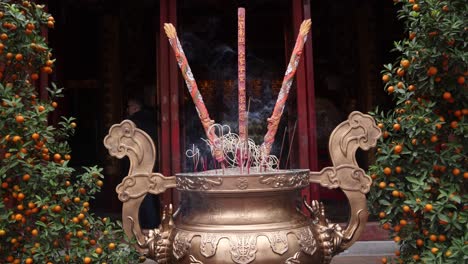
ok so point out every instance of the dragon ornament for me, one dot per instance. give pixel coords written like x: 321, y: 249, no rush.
x: 359, y: 131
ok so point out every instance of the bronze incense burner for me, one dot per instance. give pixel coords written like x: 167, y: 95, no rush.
x: 230, y: 217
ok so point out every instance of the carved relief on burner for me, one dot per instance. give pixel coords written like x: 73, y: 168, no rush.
x: 306, y: 240
x: 209, y: 243
x: 243, y: 248
x: 192, y: 183
x: 182, y: 244
x: 282, y: 180
x: 242, y: 183
x: 278, y: 241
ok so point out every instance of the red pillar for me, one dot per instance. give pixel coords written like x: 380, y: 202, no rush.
x: 306, y: 118
x: 168, y: 97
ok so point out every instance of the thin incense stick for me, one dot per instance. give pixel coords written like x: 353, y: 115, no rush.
x: 290, y: 144
x: 282, y: 145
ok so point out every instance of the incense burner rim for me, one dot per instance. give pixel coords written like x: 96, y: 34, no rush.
x: 278, y: 180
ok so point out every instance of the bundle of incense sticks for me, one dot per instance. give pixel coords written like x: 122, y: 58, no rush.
x: 193, y: 90
x: 274, y: 120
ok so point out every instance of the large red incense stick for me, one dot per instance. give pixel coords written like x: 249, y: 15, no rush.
x: 193, y: 89
x: 273, y: 121
x: 241, y: 73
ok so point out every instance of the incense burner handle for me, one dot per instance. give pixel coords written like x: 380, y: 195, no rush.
x: 359, y: 131
x: 125, y: 139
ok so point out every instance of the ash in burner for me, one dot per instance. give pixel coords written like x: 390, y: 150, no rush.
x: 240, y: 156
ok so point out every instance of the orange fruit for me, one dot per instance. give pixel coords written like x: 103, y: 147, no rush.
x: 456, y: 171
x: 461, y: 80
x: 111, y: 246
x: 57, y: 209
x: 411, y: 88
x: 419, y: 242
x: 35, y: 136
x: 98, y: 250
x: 26, y: 177
x: 390, y: 89
x: 432, y: 71
x: 442, y: 238
x: 19, y: 57
x: 397, y: 239
x: 385, y: 78
x: 87, y: 260
x: 396, y: 127
x: 406, y: 208
x: 434, y: 138
x: 398, y: 169
x: 434, y: 250
x: 34, y: 76
x: 398, y: 149
x: 447, y: 95
x: 382, y: 214
x: 428, y: 207
x: 18, y: 217
x: 57, y: 157
x: 400, y: 72
x: 19, y: 119
x: 405, y: 63
x: 382, y: 185
x: 40, y: 108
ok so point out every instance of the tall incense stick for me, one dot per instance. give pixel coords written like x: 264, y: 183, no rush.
x: 193, y: 89
x: 241, y: 72
x: 273, y: 121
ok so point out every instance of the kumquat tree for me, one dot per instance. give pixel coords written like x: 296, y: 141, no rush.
x: 44, y: 205
x: 421, y: 173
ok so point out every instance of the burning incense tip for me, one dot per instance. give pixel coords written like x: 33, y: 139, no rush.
x: 170, y: 30
x: 305, y: 27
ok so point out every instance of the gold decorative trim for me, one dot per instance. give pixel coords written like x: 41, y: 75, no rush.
x: 283, y: 180
x: 278, y: 241
x: 194, y: 183
x: 243, y: 248
x: 138, y: 185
